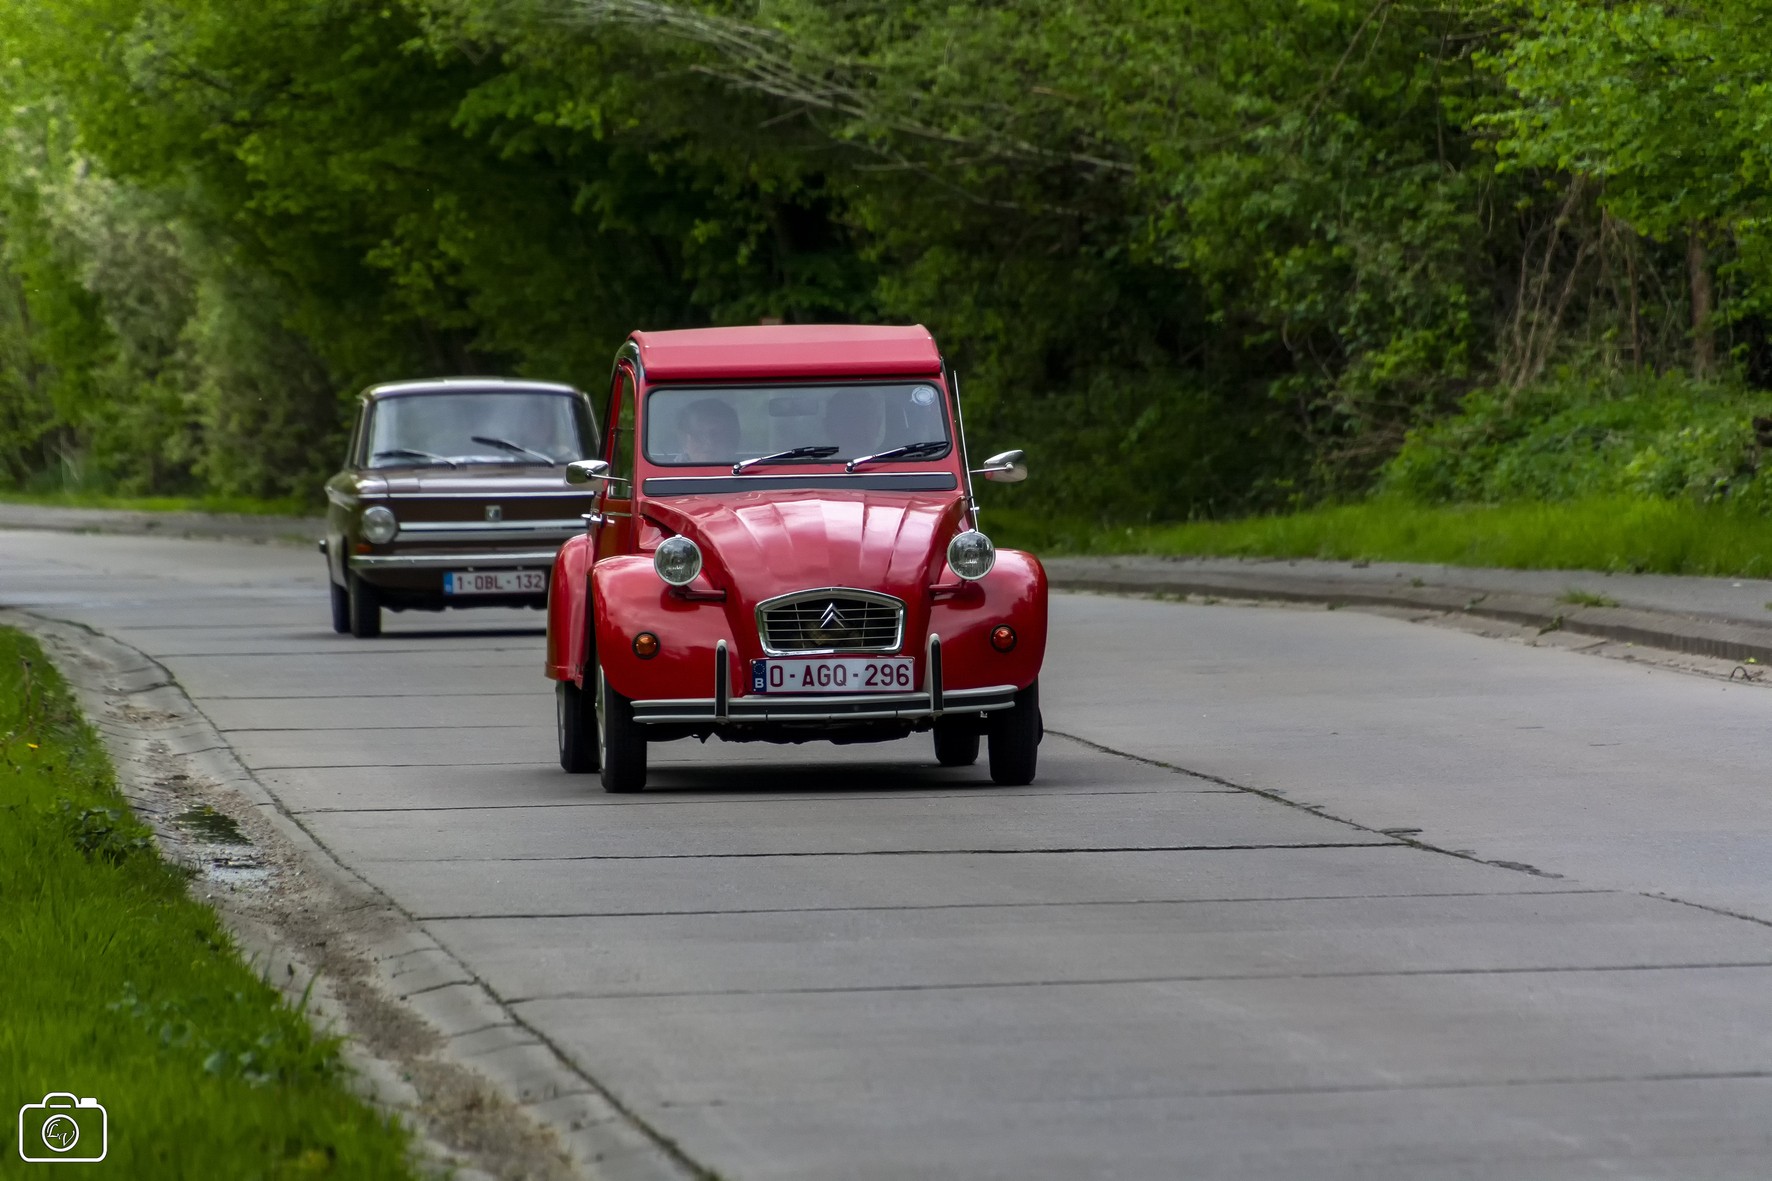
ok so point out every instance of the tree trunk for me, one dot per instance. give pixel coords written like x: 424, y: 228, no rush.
x: 1704, y: 337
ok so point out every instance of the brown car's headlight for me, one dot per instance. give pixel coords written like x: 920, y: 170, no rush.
x: 379, y: 525
x: 677, y: 560
x: 971, y: 555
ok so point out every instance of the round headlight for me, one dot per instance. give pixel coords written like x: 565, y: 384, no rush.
x: 971, y: 554
x: 379, y: 525
x: 677, y: 560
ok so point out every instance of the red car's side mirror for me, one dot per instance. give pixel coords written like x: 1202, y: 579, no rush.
x: 583, y: 471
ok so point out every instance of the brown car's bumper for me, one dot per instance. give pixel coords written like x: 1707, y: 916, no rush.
x: 469, y: 560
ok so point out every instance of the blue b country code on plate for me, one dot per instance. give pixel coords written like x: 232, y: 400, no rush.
x: 834, y: 674
x: 495, y: 582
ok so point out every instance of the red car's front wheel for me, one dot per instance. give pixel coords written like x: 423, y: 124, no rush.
x: 620, y: 743
x: 1015, y: 739
x: 576, y: 726
x: 956, y: 742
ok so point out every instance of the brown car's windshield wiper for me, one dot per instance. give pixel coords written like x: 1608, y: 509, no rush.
x: 909, y: 449
x: 822, y: 452
x: 514, y: 448
x: 409, y: 453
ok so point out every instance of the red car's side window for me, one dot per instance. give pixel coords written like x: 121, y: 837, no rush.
x: 617, y: 534
x: 621, y: 426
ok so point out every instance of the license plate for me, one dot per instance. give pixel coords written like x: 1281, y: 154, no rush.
x: 495, y: 582
x: 834, y: 674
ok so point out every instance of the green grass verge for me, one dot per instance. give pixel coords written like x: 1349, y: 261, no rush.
x: 116, y: 984
x: 243, y: 505
x: 1610, y: 534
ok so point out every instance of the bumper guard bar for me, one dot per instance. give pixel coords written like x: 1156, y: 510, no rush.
x: 723, y: 708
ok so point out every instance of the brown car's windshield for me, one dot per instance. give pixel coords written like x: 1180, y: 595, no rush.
x: 460, y: 428
x: 796, y: 424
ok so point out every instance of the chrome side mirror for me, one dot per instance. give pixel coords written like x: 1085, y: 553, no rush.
x: 1005, y: 467
x: 583, y: 471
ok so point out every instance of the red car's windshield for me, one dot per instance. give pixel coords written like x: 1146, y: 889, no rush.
x: 797, y: 424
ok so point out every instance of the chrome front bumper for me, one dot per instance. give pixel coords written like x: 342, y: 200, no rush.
x: 869, y: 708
x: 723, y: 708
x: 481, y: 560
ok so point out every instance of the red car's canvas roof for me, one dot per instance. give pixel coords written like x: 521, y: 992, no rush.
x: 788, y: 351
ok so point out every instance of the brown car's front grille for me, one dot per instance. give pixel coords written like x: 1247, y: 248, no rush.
x: 834, y: 620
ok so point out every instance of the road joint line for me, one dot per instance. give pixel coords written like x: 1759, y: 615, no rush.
x: 1140, y: 981
x: 918, y: 907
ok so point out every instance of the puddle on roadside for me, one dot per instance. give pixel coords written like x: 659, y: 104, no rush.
x: 223, y: 854
x: 230, y: 872
x: 217, y: 828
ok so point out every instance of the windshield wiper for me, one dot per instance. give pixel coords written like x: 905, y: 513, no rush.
x: 821, y: 452
x: 513, y: 448
x: 409, y: 453
x: 897, y: 453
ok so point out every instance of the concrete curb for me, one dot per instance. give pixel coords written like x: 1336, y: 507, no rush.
x: 234, y: 526
x: 1678, y: 633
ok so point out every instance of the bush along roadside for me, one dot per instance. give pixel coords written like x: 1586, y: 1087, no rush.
x: 1649, y: 437
x: 1648, y: 474
x: 118, y: 987
x: 1622, y: 535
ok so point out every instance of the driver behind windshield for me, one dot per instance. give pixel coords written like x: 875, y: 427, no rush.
x: 853, y: 421
x: 710, y: 432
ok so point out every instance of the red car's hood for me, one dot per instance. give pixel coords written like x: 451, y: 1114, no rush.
x: 769, y: 543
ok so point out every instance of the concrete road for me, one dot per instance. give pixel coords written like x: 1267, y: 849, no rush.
x: 1298, y: 894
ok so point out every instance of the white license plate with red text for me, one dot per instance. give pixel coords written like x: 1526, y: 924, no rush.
x: 495, y: 582
x: 834, y: 674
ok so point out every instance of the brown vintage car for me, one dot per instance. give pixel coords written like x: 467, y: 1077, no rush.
x: 452, y: 495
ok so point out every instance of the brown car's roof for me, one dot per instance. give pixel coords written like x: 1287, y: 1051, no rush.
x: 488, y: 385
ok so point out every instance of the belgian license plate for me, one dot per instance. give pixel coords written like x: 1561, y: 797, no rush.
x: 834, y: 674
x: 495, y: 582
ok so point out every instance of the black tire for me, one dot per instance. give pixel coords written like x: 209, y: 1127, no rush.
x: 576, y: 725
x: 621, y: 746
x: 365, y: 610
x: 341, y: 607
x: 956, y: 742
x: 1015, y: 739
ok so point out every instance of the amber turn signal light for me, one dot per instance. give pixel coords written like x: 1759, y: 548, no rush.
x: 645, y: 645
x: 1003, y: 637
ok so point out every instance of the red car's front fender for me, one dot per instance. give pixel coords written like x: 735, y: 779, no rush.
x: 629, y: 598
x: 567, y: 586
x: 1013, y: 593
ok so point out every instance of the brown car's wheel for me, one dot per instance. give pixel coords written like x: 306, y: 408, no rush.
x: 365, y: 609
x: 341, y: 607
x: 621, y: 747
x: 576, y: 724
x: 956, y: 742
x: 1015, y: 739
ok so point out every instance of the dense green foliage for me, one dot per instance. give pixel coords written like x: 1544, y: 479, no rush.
x: 1665, y: 438
x: 1611, y: 534
x: 119, y: 987
x: 1198, y: 258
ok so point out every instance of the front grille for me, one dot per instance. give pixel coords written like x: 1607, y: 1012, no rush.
x: 835, y: 620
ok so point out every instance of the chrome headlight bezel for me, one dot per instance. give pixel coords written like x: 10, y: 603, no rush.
x: 677, y: 560
x: 971, y: 555
x: 379, y: 524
